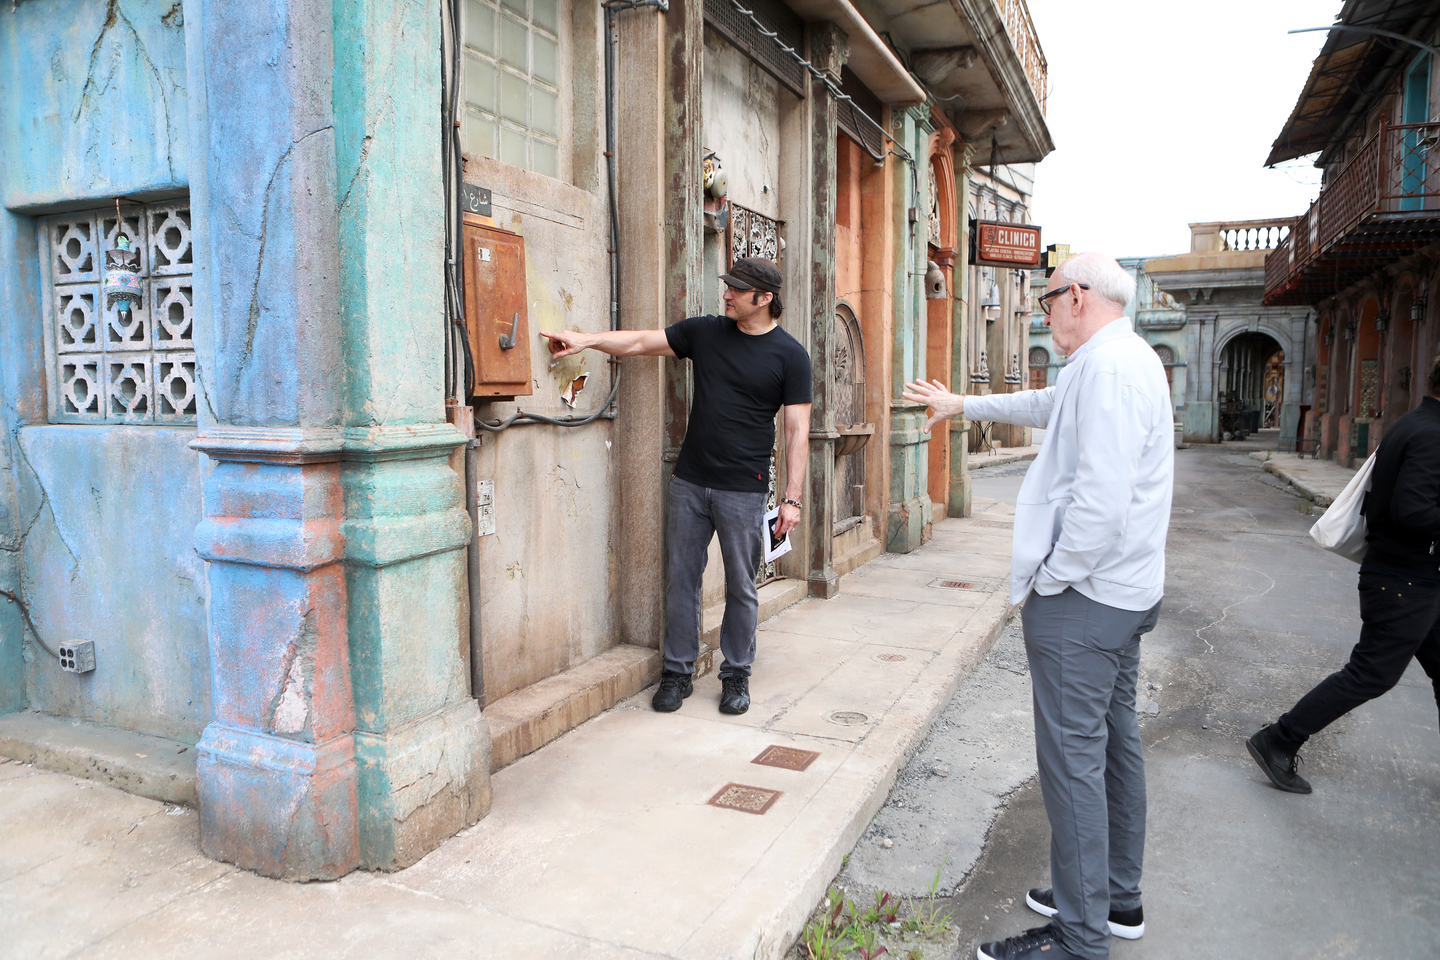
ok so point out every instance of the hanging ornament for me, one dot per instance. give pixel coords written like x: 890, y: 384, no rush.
x: 122, y: 270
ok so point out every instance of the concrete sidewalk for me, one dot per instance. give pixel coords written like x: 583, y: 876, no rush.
x: 1320, y: 481
x: 999, y: 456
x: 603, y: 844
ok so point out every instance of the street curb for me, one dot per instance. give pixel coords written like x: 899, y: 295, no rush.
x: 904, y: 730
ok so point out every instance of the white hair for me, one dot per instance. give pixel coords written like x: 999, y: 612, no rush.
x: 1105, y: 278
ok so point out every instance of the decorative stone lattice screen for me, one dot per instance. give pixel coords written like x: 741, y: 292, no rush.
x: 104, y: 368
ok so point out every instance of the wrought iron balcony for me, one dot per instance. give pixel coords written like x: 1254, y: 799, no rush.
x: 1382, y: 207
x: 1021, y: 30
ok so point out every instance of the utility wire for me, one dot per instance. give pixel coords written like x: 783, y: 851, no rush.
x: 817, y: 74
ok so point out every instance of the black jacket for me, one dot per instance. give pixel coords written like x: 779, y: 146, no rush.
x: 1402, y: 509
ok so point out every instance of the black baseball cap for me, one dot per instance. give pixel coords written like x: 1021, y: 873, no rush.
x: 754, y: 273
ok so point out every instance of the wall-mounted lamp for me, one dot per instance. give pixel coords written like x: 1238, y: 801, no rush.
x: 1382, y: 319
x: 1347, y: 332
x: 1417, y: 306
x: 1329, y: 338
x: 934, y: 282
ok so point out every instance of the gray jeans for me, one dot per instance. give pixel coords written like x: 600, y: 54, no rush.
x: 696, y: 514
x: 1084, y: 659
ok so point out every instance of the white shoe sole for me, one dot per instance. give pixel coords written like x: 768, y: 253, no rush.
x: 1116, y: 930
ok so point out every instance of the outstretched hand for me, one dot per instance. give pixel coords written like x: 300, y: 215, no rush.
x: 941, y: 403
x: 565, y: 343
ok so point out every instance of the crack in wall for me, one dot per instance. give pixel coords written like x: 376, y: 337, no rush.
x: 288, y: 712
x: 44, y: 503
x: 114, y: 15
x: 254, y: 318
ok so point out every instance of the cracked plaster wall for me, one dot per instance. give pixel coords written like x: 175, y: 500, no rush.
x: 94, y: 521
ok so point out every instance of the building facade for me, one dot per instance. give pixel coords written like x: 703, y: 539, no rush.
x: 1366, y: 255
x: 315, y: 499
x: 1247, y: 361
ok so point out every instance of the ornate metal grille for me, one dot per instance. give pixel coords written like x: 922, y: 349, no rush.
x: 105, y: 368
x: 722, y: 15
x: 753, y: 234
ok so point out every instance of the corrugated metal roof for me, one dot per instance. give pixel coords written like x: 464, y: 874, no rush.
x: 1350, y: 71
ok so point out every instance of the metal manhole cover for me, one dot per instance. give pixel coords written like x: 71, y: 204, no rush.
x: 847, y: 718
x: 738, y: 796
x: 786, y: 758
x: 891, y: 657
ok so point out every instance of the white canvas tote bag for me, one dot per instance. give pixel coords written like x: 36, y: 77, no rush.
x: 1342, y: 529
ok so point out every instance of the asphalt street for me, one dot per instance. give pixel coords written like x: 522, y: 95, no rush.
x: 1254, y: 615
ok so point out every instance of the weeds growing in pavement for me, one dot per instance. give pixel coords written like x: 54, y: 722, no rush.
x: 928, y: 918
x: 840, y: 930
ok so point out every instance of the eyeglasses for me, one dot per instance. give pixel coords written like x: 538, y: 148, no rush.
x: 1045, y: 301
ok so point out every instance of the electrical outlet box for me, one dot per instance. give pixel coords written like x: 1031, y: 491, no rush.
x: 496, y: 311
x: 77, y: 656
x: 484, y: 507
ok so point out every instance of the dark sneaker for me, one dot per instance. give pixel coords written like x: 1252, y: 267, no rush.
x: 1278, y: 765
x: 1129, y: 924
x: 735, y: 694
x: 674, y: 688
x: 1039, y: 943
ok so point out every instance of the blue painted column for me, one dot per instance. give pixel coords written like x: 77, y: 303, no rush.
x: 344, y: 733
x: 276, y: 776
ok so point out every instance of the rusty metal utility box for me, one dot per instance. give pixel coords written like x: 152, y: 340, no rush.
x: 495, y: 308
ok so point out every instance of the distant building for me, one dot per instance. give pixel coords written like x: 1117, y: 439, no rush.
x: 1246, y: 361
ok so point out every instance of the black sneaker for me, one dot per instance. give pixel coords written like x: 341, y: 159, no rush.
x: 674, y: 688
x: 1278, y: 765
x: 735, y: 694
x: 1128, y: 924
x: 1039, y: 943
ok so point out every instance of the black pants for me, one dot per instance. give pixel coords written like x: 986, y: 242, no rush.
x: 1401, y: 620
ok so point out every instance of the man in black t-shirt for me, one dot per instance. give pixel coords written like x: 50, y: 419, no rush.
x: 746, y: 369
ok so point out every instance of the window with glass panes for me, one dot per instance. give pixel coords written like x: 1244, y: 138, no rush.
x: 512, y: 82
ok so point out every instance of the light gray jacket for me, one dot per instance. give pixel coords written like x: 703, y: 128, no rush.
x: 1094, y: 508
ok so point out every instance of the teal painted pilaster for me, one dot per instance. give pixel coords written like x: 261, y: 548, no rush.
x: 959, y: 495
x: 910, y: 508
x: 421, y: 745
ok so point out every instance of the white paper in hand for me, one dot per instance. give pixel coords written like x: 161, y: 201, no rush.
x: 773, y: 547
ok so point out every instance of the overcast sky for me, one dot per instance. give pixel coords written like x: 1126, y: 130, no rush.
x: 1163, y: 114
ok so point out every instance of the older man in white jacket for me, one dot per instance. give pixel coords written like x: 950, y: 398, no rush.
x: 1089, y: 553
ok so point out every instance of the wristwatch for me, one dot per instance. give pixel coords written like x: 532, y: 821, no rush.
x: 794, y: 503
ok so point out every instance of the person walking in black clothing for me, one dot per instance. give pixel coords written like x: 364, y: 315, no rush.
x: 1399, y: 591
x: 746, y: 369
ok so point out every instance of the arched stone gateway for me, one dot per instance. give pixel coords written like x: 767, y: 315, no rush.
x: 1251, y: 378
x: 1230, y: 334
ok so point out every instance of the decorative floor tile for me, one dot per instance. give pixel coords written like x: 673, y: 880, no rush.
x: 737, y: 796
x: 787, y: 758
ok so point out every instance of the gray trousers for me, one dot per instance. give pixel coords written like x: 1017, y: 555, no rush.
x: 696, y: 514
x: 1084, y: 659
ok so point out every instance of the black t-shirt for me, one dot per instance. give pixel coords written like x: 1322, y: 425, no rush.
x: 741, y: 382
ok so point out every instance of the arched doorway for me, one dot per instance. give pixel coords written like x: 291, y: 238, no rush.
x: 1167, y: 357
x: 1039, y: 368
x: 1247, y: 364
